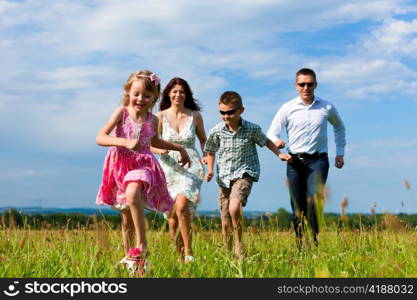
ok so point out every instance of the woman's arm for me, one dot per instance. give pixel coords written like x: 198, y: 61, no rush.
x: 201, y: 134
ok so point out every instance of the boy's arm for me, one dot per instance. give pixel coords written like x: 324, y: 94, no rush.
x: 210, y: 148
x: 210, y: 165
x: 282, y: 156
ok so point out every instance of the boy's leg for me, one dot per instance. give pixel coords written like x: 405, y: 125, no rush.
x: 224, y: 194
x: 235, y: 210
x: 241, y: 189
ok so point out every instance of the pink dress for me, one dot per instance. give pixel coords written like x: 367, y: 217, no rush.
x: 122, y: 166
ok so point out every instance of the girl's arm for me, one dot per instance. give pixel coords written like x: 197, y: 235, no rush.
x: 201, y: 134
x: 103, y: 137
x: 282, y: 156
x: 210, y: 165
x: 159, y: 133
x: 162, y: 144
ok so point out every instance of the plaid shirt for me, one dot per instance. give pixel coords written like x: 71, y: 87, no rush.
x: 237, y: 151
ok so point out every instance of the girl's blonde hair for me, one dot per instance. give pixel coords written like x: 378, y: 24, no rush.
x: 151, y: 86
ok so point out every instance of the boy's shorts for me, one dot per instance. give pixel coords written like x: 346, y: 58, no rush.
x: 239, y: 189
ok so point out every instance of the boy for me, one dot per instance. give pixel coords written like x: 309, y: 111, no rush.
x: 238, y: 165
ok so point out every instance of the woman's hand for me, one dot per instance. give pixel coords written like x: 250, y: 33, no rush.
x: 185, y: 159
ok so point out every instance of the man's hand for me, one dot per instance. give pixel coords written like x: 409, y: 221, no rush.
x: 280, y: 144
x: 339, y: 161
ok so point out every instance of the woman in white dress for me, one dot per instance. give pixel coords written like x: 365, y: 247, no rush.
x: 180, y: 122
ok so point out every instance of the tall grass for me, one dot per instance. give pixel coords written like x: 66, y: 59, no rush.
x: 94, y: 251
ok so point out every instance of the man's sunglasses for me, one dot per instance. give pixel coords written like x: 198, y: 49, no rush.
x: 303, y: 84
x: 229, y: 112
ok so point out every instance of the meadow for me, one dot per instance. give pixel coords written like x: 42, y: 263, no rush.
x: 95, y: 250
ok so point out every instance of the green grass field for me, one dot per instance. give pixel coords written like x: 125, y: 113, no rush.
x: 96, y: 253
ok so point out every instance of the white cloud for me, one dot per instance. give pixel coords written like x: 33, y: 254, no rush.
x: 354, y: 11
x: 71, y: 78
x: 393, y: 38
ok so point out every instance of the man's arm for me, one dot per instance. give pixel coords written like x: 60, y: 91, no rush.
x: 339, y: 136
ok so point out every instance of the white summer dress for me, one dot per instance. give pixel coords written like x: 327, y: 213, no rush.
x: 182, y: 180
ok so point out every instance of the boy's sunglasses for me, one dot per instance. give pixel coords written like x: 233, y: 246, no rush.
x: 229, y: 112
x: 303, y: 84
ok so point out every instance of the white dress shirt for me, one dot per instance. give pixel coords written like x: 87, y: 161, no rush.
x: 306, y: 126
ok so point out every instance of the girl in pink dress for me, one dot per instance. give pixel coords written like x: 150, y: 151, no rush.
x: 132, y: 177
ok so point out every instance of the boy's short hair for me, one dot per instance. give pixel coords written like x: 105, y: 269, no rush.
x: 230, y: 97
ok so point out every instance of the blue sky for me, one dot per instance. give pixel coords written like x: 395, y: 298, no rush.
x: 64, y: 63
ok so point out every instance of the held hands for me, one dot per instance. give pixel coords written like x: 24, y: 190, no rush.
x: 285, y: 157
x: 280, y: 144
x: 204, y: 160
x: 339, y: 161
x: 208, y: 176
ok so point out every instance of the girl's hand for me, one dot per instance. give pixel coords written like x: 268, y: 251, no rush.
x: 285, y: 157
x: 163, y: 152
x: 132, y: 144
x: 208, y: 176
x: 185, y: 159
x: 204, y: 160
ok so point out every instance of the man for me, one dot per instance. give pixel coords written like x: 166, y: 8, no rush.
x: 305, y: 120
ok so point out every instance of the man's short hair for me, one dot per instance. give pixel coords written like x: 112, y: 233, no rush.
x: 230, y: 97
x: 307, y: 72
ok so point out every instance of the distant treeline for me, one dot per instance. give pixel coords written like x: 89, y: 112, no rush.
x: 280, y: 220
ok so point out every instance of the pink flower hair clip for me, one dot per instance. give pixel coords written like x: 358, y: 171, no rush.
x: 153, y: 77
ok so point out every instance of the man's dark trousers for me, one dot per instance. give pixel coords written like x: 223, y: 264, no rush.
x: 307, y: 175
